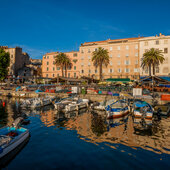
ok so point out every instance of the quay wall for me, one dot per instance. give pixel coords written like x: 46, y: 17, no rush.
x: 92, y: 97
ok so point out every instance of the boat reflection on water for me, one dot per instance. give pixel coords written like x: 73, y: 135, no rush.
x: 136, y: 133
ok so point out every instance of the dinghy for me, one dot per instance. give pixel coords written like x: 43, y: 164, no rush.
x: 117, y: 109
x: 142, y: 109
x: 12, y: 137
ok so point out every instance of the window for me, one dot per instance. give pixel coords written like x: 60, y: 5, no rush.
x: 118, y: 63
x: 75, y: 55
x: 165, y: 50
x: 111, y: 70
x: 146, y: 43
x: 111, y: 63
x: 127, y: 55
x: 110, y: 55
x: 11, y: 56
x: 111, y: 48
x: 82, y: 71
x: 47, y: 68
x: 127, y: 62
x: 157, y: 42
x: 95, y: 71
x: 136, y: 46
x: 46, y: 75
x: 127, y: 47
x: 47, y: 57
x: 69, y: 67
x: 58, y: 75
x: 44, y: 57
x: 118, y: 55
x: 118, y: 47
x: 89, y: 51
x: 74, y: 75
x: 136, y: 70
x: 74, y: 67
x: 119, y: 70
x: 136, y: 62
x: 89, y: 64
x: 146, y: 70
x: 47, y: 63
x: 127, y: 70
x: 53, y: 68
x: 53, y: 75
x: 58, y: 68
x: 89, y: 71
x: 68, y: 74
x: 165, y: 41
x: 136, y: 54
x: 157, y: 69
x: 89, y: 57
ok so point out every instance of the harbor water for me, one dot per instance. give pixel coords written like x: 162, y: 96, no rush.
x: 87, y: 140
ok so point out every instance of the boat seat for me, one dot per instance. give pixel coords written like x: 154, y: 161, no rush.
x: 4, y: 139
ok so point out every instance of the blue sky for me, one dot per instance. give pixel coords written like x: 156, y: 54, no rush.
x: 40, y: 26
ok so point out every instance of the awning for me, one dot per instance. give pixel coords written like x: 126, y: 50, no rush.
x: 123, y: 80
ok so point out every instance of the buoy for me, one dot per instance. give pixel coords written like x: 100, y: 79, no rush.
x: 3, y: 104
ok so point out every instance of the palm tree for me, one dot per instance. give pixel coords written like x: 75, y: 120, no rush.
x: 100, y: 57
x: 59, y: 61
x: 64, y: 62
x: 67, y: 64
x: 152, y: 58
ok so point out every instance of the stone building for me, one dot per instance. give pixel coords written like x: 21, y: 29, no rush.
x: 18, y: 59
x: 160, y: 42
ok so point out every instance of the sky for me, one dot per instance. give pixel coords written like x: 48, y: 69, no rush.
x: 41, y: 26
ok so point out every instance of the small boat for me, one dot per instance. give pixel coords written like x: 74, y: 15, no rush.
x: 142, y: 109
x: 48, y: 100
x: 102, y: 105
x: 12, y: 137
x: 117, y: 109
x: 71, y: 104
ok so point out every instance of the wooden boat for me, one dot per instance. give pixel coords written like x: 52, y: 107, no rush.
x: 117, y: 109
x: 142, y: 109
x: 11, y: 138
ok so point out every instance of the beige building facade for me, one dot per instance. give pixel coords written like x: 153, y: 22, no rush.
x: 124, y: 58
x: 162, y: 43
x: 50, y: 70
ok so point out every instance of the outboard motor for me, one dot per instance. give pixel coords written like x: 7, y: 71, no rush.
x: 17, y: 122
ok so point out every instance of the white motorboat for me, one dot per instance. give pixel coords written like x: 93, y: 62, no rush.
x: 11, y: 138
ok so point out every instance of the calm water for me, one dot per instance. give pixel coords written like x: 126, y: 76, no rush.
x: 87, y: 140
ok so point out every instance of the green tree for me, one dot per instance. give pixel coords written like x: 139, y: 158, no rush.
x: 64, y: 62
x: 152, y: 58
x: 59, y: 61
x: 4, y: 63
x: 67, y: 65
x: 100, y: 58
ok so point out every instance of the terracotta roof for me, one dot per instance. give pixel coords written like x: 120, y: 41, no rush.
x: 51, y: 53
x: 109, y: 40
